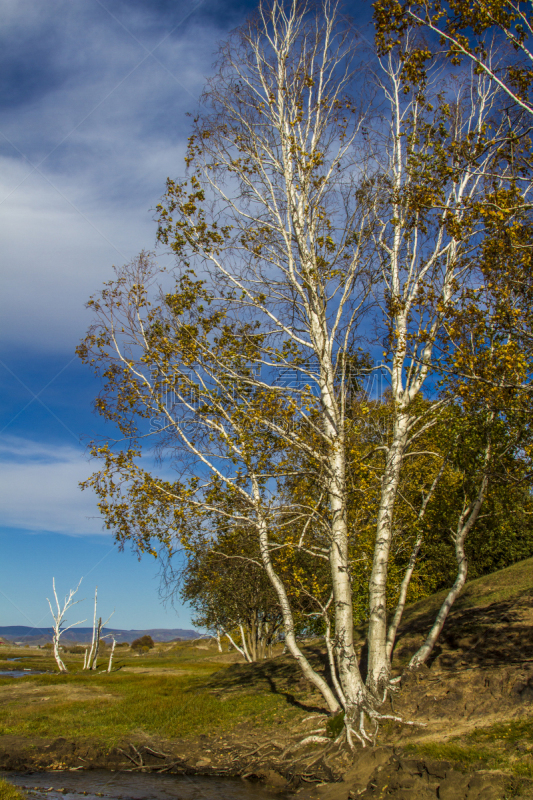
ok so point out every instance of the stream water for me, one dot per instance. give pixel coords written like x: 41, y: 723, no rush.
x: 19, y: 673
x: 95, y: 784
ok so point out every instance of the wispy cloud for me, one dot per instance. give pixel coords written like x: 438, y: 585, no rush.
x: 40, y: 490
x: 93, y: 99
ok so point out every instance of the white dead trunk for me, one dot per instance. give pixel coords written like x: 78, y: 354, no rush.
x: 111, y: 655
x: 91, y: 651
x: 98, y: 625
x: 59, y: 618
x: 96, y: 635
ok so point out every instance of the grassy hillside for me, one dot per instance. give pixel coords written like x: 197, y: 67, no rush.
x: 475, y: 698
x: 506, y: 584
x: 490, y: 623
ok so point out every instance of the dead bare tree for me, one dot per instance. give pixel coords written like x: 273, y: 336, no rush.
x: 92, y: 656
x: 59, y: 620
x: 112, y: 652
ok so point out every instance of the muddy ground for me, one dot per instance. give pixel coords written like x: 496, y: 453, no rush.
x: 480, y: 675
x: 446, y: 702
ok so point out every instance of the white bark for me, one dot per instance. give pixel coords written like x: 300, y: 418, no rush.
x: 236, y: 646
x: 90, y: 657
x: 95, y: 649
x: 59, y: 619
x: 288, y: 620
x: 111, y: 654
x: 398, y: 613
x: 378, y: 660
x: 465, y: 524
x: 411, y: 260
x: 245, y: 650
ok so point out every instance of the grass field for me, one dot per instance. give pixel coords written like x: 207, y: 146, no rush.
x: 187, y: 690
x: 168, y: 695
x: 507, y: 746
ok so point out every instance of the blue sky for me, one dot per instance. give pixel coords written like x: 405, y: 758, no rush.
x: 93, y: 104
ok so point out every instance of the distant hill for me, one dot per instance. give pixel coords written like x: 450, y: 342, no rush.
x: 22, y: 633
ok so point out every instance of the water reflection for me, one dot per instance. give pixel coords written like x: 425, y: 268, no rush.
x: 95, y: 784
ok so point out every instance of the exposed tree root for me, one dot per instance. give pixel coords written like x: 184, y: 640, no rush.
x: 366, y: 737
x: 304, y: 742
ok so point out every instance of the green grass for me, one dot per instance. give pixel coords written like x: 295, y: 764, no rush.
x: 506, y: 746
x: 10, y: 792
x: 124, y: 704
x: 496, y: 587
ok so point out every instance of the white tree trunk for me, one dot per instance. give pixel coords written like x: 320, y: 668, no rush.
x: 111, y: 655
x: 398, y: 613
x: 59, y: 661
x: 236, y: 646
x: 288, y: 620
x: 464, y: 526
x: 58, y: 618
x: 97, y: 636
x: 378, y: 660
x: 91, y: 651
x: 245, y: 649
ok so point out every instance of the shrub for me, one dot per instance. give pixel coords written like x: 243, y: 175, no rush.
x: 144, y: 643
x: 10, y: 792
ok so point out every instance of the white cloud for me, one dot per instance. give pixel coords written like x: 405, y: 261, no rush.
x: 40, y: 490
x: 105, y: 124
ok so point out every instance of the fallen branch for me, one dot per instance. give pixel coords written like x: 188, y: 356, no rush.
x: 156, y: 753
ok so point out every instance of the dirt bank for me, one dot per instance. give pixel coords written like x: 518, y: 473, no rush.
x: 380, y: 772
x: 472, y: 709
x: 445, y: 704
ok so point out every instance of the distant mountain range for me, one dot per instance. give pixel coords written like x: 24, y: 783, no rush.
x: 22, y: 633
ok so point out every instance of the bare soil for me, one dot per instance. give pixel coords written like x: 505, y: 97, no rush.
x: 480, y: 675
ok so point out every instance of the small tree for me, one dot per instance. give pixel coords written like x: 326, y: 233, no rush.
x: 143, y: 643
x: 59, y: 619
x: 230, y: 592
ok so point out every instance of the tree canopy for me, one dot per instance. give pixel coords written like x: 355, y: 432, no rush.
x: 329, y: 228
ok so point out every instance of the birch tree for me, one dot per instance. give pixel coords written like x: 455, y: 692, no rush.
x: 59, y: 620
x: 230, y: 592
x: 467, y: 31
x: 307, y: 213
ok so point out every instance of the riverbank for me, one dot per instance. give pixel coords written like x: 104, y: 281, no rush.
x: 187, y: 709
